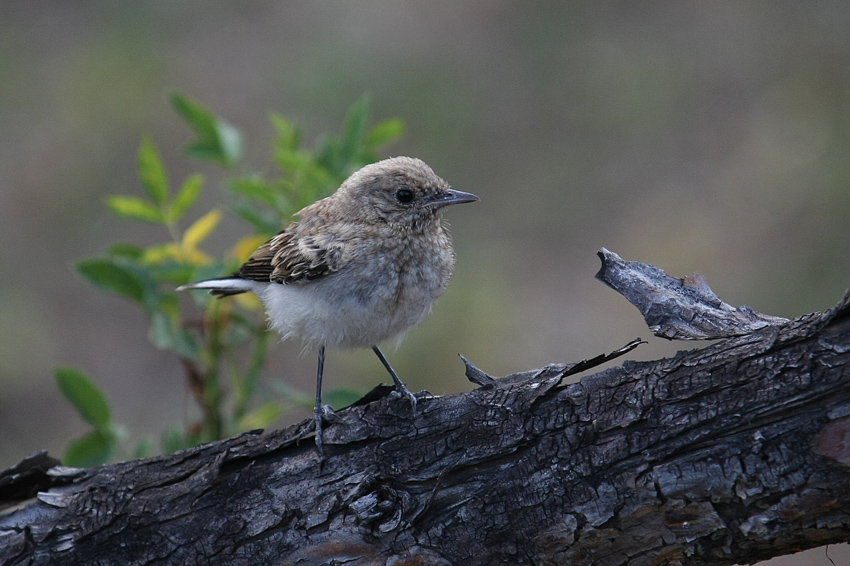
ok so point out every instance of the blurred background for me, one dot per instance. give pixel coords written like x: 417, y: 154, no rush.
x: 710, y: 137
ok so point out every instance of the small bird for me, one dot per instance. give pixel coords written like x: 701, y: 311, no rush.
x: 358, y: 268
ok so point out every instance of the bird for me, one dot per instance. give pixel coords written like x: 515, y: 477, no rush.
x: 357, y: 268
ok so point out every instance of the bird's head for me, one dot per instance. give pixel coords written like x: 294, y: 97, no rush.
x: 399, y: 190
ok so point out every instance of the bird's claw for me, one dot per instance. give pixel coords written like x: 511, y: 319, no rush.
x: 321, y: 414
x: 326, y: 412
x: 399, y: 392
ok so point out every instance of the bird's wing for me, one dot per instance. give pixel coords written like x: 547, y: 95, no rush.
x: 290, y: 258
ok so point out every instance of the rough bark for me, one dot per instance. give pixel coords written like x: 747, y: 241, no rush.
x: 729, y: 454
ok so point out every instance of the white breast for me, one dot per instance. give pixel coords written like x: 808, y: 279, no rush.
x: 356, y: 309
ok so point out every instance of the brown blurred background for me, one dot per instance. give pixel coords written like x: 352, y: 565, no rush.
x: 711, y: 137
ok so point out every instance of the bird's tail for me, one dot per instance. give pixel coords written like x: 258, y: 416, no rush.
x: 223, y: 287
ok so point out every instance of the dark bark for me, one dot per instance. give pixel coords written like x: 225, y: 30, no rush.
x: 728, y: 454
x: 678, y: 309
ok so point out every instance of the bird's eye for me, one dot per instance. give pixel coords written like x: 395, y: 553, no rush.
x: 404, y: 195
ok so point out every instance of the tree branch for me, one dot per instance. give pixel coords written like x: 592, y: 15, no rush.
x: 678, y: 309
x: 733, y: 453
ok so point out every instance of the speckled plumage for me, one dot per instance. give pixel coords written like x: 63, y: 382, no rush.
x: 359, y: 267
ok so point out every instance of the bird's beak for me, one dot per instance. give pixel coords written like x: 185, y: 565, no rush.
x: 452, y: 197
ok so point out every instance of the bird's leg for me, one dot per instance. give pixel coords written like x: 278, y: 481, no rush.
x: 320, y: 412
x: 399, y: 384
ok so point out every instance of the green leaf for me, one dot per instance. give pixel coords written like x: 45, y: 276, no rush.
x: 126, y: 250
x: 84, y: 395
x: 94, y: 449
x: 354, y: 128
x: 171, y: 272
x: 230, y: 141
x: 206, y: 152
x: 152, y: 173
x: 217, y: 141
x: 170, y: 306
x: 330, y: 155
x: 196, y: 116
x: 204, y: 272
x: 254, y: 188
x: 261, y: 417
x: 109, y: 275
x: 294, y: 161
x: 385, y: 132
x: 134, y: 208
x: 186, y: 197
x: 264, y: 220
x: 288, y: 136
x: 165, y: 335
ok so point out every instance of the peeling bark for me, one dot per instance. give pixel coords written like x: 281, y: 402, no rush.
x: 729, y: 454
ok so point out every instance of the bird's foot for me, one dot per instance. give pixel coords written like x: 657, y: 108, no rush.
x: 326, y: 412
x: 321, y: 414
x: 402, y: 391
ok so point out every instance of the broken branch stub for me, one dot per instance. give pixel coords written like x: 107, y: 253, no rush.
x: 678, y: 309
x: 485, y: 380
